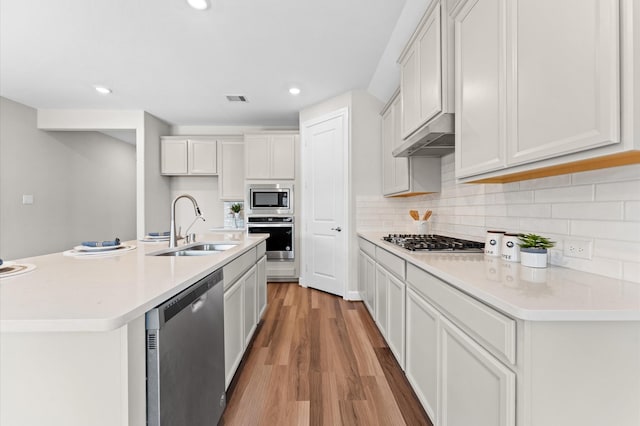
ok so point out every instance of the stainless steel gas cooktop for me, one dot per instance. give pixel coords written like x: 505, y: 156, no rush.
x: 432, y: 242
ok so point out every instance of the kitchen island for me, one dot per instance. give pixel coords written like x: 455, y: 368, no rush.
x: 72, y: 342
x: 489, y: 342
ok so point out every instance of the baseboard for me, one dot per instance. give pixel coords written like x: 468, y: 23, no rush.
x: 353, y: 295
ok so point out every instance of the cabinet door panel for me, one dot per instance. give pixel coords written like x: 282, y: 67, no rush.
x: 250, y: 282
x: 257, y: 157
x: 262, y: 286
x: 410, y: 93
x: 233, y: 330
x: 430, y: 67
x: 396, y: 328
x: 388, y: 169
x: 422, y: 351
x: 203, y: 159
x: 566, y: 80
x: 370, y: 282
x: 174, y: 157
x: 382, y: 291
x: 476, y: 388
x: 231, y: 178
x: 283, y: 157
x: 480, y: 87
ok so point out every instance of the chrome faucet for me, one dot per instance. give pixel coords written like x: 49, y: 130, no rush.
x: 173, y: 235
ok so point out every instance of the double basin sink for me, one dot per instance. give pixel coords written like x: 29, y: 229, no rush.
x: 194, y: 249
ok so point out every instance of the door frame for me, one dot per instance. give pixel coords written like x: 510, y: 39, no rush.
x: 304, y: 199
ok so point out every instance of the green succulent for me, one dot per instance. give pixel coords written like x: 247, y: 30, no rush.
x: 535, y: 241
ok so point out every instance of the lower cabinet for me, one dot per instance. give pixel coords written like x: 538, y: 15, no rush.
x: 233, y: 330
x: 367, y: 278
x: 262, y: 286
x: 396, y: 318
x: 422, y: 352
x: 476, y: 388
x: 245, y: 300
x: 382, y: 292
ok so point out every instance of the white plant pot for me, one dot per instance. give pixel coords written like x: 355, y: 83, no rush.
x: 533, y: 258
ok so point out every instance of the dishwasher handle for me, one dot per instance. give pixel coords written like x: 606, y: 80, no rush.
x: 199, y: 303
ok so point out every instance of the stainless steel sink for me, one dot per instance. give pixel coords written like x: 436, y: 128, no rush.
x: 195, y: 249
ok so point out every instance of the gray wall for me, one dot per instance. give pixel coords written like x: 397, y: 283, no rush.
x: 83, y: 183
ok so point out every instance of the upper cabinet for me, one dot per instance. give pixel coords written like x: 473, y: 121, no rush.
x: 426, y: 70
x: 231, y: 167
x: 538, y: 86
x: 402, y: 176
x: 189, y: 156
x: 270, y: 156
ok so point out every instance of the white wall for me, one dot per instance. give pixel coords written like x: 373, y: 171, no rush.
x: 83, y: 185
x: 155, y: 188
x: 602, y: 206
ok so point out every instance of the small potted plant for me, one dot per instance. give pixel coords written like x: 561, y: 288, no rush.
x: 236, y: 208
x: 533, y: 250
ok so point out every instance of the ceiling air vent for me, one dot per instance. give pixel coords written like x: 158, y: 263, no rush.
x: 237, y: 98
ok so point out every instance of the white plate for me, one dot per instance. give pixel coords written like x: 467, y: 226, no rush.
x: 156, y: 236
x: 94, y: 254
x: 7, y: 264
x: 18, y: 269
x: 108, y: 248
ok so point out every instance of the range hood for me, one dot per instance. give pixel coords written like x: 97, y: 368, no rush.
x: 432, y: 140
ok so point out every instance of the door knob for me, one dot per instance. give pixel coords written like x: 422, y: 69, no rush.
x: 336, y: 229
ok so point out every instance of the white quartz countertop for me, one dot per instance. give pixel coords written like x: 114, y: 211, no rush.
x: 548, y: 294
x: 103, y: 293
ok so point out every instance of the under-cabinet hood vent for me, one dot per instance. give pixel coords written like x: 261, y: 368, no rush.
x: 433, y: 140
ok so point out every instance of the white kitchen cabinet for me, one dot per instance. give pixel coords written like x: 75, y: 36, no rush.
x: 270, y: 156
x: 193, y: 156
x: 250, y: 308
x: 382, y: 300
x: 262, y: 286
x: 395, y: 171
x: 524, y: 95
x: 476, y: 388
x: 233, y: 329
x: 402, y: 176
x: 367, y: 277
x: 422, y: 366
x: 231, y: 170
x: 396, y: 295
x: 426, y: 70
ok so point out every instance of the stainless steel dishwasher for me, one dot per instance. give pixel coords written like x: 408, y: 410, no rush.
x: 185, y: 357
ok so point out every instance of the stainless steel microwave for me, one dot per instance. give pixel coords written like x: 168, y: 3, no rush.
x: 273, y: 198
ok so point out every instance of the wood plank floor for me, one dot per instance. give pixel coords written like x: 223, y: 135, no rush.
x: 319, y: 360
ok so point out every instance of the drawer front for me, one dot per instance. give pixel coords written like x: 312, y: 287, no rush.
x: 367, y: 247
x: 391, y: 263
x: 495, y: 330
x: 233, y: 270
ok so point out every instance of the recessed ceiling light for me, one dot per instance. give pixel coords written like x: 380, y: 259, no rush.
x: 199, y: 4
x: 294, y: 91
x: 103, y: 90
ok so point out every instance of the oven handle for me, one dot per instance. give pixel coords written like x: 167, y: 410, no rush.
x: 269, y: 225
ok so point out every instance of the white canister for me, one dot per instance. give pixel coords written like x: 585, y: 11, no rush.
x: 511, y: 247
x: 493, y: 243
x: 424, y: 227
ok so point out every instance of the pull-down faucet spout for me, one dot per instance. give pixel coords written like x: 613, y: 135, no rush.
x: 173, y: 235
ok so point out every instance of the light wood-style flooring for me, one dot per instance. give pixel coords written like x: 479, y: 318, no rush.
x: 319, y: 360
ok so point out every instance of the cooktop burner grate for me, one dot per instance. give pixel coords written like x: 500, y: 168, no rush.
x: 432, y: 242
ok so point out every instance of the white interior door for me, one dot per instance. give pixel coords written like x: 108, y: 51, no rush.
x: 324, y: 207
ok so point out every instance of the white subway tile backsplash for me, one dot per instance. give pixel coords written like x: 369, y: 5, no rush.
x: 601, y: 205
x: 564, y: 195
x: 632, y: 210
x: 529, y: 210
x: 622, y: 231
x: 602, y: 211
x: 618, y: 191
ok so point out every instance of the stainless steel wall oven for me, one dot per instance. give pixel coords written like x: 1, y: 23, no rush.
x: 281, y: 234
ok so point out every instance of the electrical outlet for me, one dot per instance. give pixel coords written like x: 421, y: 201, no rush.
x: 580, y: 249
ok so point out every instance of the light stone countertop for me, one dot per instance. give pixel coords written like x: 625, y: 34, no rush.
x: 548, y: 294
x: 104, y: 293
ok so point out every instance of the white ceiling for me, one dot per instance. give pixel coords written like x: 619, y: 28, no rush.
x: 178, y: 64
